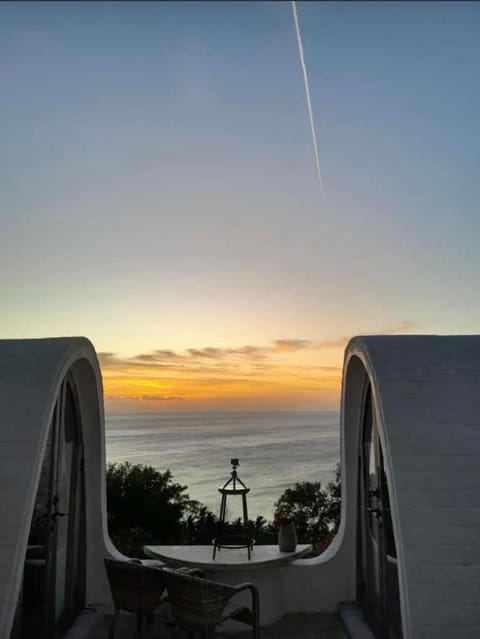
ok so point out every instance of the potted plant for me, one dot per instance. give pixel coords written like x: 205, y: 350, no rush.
x: 287, y: 535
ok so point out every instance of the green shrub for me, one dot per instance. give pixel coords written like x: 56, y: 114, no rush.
x: 141, y: 497
x: 145, y: 506
x: 315, y: 510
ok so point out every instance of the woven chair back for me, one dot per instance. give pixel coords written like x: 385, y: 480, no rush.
x: 197, y: 604
x: 134, y: 587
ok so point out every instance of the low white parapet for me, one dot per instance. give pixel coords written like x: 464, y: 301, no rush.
x: 232, y: 566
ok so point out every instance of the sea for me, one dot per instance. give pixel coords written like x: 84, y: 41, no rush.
x: 275, y: 450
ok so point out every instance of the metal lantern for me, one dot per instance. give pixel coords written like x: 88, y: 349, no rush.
x: 234, y: 486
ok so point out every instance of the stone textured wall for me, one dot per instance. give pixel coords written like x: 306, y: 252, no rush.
x: 426, y: 392
x: 427, y: 397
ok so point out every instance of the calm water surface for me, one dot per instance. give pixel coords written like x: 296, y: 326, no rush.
x: 275, y: 450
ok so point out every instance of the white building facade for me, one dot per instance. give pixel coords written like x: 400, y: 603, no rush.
x: 407, y: 552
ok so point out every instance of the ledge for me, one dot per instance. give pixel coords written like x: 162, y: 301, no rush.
x: 226, y: 559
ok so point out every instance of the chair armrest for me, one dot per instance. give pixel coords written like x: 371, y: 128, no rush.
x: 255, y: 599
x: 245, y: 586
x: 193, y: 572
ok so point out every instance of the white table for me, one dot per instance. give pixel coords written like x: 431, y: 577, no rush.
x: 230, y: 567
x: 227, y: 559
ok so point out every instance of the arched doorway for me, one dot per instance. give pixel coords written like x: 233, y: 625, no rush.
x: 377, y: 569
x: 53, y: 590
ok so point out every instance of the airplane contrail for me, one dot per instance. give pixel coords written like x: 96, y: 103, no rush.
x: 307, y: 93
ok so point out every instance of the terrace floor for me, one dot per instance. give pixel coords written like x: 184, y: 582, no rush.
x: 306, y: 626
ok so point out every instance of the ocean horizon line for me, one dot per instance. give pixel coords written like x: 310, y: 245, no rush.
x: 220, y: 412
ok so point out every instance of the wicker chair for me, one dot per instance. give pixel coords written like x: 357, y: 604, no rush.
x: 199, y: 605
x: 135, y: 588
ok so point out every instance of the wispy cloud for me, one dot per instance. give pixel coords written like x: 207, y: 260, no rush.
x: 208, y: 355
x: 211, y: 356
x: 160, y: 398
x: 280, y: 371
x: 144, y: 398
x: 341, y: 342
x: 214, y: 377
x: 289, y: 345
x: 404, y: 327
x: 209, y: 352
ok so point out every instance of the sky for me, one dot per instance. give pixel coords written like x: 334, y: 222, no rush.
x: 158, y: 189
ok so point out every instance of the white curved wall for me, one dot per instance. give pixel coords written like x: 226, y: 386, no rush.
x: 427, y: 398
x: 426, y: 395
x: 31, y: 373
x: 322, y: 583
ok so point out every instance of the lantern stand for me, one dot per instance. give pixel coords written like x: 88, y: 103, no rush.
x: 234, y: 486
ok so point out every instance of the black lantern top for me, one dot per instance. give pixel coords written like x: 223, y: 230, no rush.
x: 234, y: 486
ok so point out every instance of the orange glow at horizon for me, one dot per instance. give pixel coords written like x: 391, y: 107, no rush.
x: 287, y: 374
x: 282, y: 376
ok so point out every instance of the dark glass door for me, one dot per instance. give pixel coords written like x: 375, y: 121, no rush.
x: 69, y: 519
x: 377, y: 581
x: 53, y: 588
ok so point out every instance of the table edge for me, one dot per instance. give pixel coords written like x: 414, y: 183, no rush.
x: 212, y: 566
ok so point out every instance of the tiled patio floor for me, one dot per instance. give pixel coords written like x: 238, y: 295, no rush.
x: 312, y: 626
x: 298, y: 627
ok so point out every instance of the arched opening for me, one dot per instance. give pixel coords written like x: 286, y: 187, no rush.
x: 377, y: 569
x: 53, y: 588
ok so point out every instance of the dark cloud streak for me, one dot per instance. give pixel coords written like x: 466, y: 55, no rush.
x: 195, y: 359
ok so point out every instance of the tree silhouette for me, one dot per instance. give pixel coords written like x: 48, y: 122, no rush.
x: 145, y: 506
x: 143, y: 498
x: 315, y: 510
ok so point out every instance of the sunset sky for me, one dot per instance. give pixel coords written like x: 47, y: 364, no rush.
x: 158, y: 190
